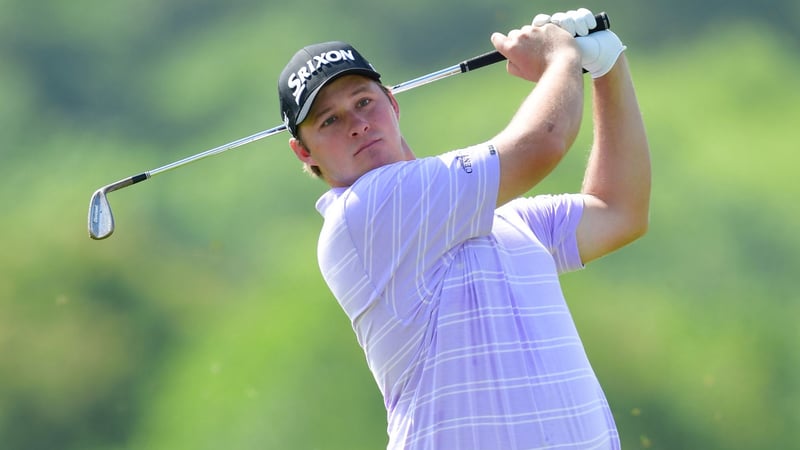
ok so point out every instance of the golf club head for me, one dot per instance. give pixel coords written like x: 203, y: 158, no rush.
x: 101, y: 222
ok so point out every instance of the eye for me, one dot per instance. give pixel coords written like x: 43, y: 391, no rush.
x: 364, y: 102
x: 329, y: 121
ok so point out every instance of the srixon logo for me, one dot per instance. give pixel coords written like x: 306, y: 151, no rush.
x: 297, y: 81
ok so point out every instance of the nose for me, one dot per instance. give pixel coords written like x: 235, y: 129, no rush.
x: 358, y: 125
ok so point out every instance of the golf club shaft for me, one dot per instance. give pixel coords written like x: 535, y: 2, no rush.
x: 463, y: 67
x: 603, y: 23
x: 101, y: 219
x: 125, y: 182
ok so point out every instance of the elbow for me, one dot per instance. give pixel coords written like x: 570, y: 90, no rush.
x: 641, y: 215
x: 629, y: 225
x: 640, y: 228
x: 625, y: 232
x: 637, y: 225
x: 633, y: 212
x: 553, y: 148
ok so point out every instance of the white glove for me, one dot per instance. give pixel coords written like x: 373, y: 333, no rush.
x: 577, y: 23
x: 599, y: 51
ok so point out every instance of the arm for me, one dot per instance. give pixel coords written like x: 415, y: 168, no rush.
x: 545, y: 126
x: 616, y: 185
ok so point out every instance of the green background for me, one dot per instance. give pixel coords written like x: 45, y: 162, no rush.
x: 203, y: 322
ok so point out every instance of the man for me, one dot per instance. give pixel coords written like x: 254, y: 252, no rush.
x: 449, y: 277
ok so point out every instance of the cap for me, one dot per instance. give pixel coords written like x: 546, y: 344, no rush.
x: 309, y: 70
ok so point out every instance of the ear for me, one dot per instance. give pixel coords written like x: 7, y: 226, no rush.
x: 395, y: 104
x: 300, y: 150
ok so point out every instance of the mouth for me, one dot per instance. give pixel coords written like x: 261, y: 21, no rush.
x: 366, y: 146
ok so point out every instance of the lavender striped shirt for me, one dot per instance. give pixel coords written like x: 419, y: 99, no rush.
x: 458, y: 306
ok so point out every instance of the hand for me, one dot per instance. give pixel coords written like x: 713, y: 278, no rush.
x: 577, y: 23
x: 531, y: 50
x: 599, y: 50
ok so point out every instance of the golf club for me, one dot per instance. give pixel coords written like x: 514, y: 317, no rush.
x: 101, y: 220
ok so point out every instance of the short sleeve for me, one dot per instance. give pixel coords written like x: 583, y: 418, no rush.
x: 554, y: 221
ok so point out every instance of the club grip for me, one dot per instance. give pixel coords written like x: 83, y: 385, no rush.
x: 603, y: 23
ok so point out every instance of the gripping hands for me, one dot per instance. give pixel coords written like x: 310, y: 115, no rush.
x: 599, y: 51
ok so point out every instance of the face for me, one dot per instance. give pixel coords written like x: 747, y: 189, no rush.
x: 352, y: 128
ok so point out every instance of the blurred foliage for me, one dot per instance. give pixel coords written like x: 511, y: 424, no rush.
x: 203, y: 322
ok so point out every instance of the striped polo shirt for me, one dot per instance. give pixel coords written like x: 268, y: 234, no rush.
x: 458, y: 307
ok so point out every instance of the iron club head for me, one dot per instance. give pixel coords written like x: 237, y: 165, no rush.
x: 101, y: 221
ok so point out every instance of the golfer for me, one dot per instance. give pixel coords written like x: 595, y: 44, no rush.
x: 448, y: 273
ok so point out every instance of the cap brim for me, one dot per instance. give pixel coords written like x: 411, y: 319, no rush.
x: 303, y: 113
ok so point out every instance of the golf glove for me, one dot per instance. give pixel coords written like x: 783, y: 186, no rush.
x: 599, y: 50
x: 576, y: 22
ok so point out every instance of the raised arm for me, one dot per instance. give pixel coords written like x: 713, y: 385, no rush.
x: 545, y: 126
x: 617, y: 180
